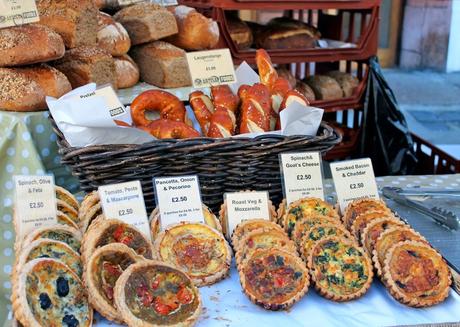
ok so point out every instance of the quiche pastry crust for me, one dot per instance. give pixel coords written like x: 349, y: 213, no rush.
x: 361, y: 221
x: 68, y: 210
x: 400, y: 266
x: 64, y: 219
x: 305, y: 224
x: 357, y: 207
x: 88, y: 216
x: 247, y: 226
x: 69, y: 235
x: 373, y: 230
x: 66, y: 196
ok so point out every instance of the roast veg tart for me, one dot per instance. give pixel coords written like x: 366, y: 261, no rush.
x: 69, y: 235
x: 48, y: 293
x: 247, y: 226
x: 416, y: 274
x: 274, y: 279
x: 102, y: 270
x: 198, y: 249
x: 373, y: 230
x: 361, y: 221
x: 357, y: 207
x: 154, y: 293
x: 340, y: 270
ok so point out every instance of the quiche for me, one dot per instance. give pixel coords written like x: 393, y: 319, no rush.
x: 48, y: 293
x: 360, y: 222
x: 102, y: 271
x: 303, y: 226
x: 388, y: 238
x: 88, y: 216
x: 274, y: 279
x: 263, y: 238
x: 306, y: 207
x: 248, y: 226
x: 197, y: 249
x: 415, y: 274
x: 64, y: 219
x: 62, y: 233
x: 357, y: 207
x: 67, y: 197
x: 341, y: 270
x: 107, y: 231
x: 152, y: 293
x: 67, y: 210
x: 374, y: 229
x: 318, y: 232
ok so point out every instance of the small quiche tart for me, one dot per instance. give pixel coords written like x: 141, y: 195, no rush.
x: 388, y: 238
x: 152, y: 293
x: 87, y: 216
x: 415, y: 274
x: 340, y: 269
x: 374, y: 229
x: 48, y: 293
x: 67, y: 197
x: 64, y: 219
x: 108, y: 231
x: 306, y: 207
x: 357, y: 207
x: 274, y: 279
x: 318, y: 232
x: 247, y: 226
x: 62, y: 233
x: 68, y: 210
x: 198, y: 249
x: 360, y: 222
x: 305, y: 224
x: 281, y: 211
x: 263, y: 238
x: 101, y: 273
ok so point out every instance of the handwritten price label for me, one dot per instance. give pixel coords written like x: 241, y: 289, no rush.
x: 211, y: 68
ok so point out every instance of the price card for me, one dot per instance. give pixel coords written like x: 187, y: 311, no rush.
x: 354, y: 180
x: 114, y: 105
x: 245, y: 205
x: 178, y: 199
x: 17, y: 12
x: 35, y: 202
x: 211, y: 68
x: 125, y: 201
x: 302, y: 175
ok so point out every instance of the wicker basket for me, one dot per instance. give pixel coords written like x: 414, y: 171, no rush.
x: 223, y: 165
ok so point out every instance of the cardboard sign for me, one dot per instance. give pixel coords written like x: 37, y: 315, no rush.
x: 211, y: 68
x: 34, y: 203
x: 354, y: 180
x: 302, y: 175
x: 125, y: 201
x: 17, y: 12
x: 178, y: 199
x: 245, y: 205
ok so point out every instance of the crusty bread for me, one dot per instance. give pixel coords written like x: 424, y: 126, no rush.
x: 84, y: 65
x: 112, y: 36
x: 162, y: 64
x: 325, y: 87
x: 28, y: 44
x: 239, y: 31
x: 347, y: 82
x: 24, y: 89
x: 306, y: 90
x: 146, y: 22
x: 74, y: 20
x: 127, y: 71
x: 196, y: 32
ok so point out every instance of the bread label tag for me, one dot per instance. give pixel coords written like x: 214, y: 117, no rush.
x: 245, y: 205
x: 34, y: 202
x: 17, y: 12
x: 166, y: 2
x: 178, y: 199
x: 354, y: 179
x: 211, y: 68
x: 128, y: 2
x: 302, y: 175
x: 125, y: 201
x: 115, y: 107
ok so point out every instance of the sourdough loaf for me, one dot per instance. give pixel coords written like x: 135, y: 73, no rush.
x: 112, y: 36
x: 127, y: 71
x: 325, y: 87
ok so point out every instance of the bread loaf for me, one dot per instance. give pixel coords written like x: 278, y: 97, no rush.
x: 195, y: 31
x: 25, y: 89
x: 28, y: 44
x: 162, y: 64
x: 84, y: 65
x: 74, y: 20
x: 306, y: 90
x: 146, y: 22
x: 240, y: 32
x: 112, y: 36
x: 347, y: 82
x: 325, y: 87
x: 127, y: 71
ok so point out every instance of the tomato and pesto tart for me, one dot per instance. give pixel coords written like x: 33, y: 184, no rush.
x: 305, y: 224
x: 152, y: 293
x: 102, y: 271
x: 341, y: 270
x: 357, y: 207
x: 360, y: 222
x: 107, y: 231
x: 67, y: 197
x: 48, y: 293
x: 305, y: 208
x: 318, y: 232
x: 263, y: 239
x: 416, y: 274
x: 198, y: 249
x: 247, y: 226
x: 373, y: 230
x: 69, y: 235
x: 274, y: 279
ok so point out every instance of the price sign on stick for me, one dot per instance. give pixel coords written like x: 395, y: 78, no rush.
x: 354, y: 180
x: 34, y: 203
x: 302, y: 175
x: 17, y: 12
x: 125, y: 201
x: 178, y: 199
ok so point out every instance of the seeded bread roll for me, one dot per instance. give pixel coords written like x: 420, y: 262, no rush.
x: 127, y: 71
x: 112, y: 36
x: 84, y: 65
x: 146, y: 22
x: 74, y: 20
x: 29, y: 44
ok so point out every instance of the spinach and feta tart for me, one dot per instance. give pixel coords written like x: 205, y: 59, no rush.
x: 305, y: 224
x: 67, y: 197
x: 69, y: 235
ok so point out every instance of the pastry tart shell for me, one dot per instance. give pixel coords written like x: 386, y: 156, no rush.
x: 248, y: 226
x: 350, y: 213
x: 372, y: 227
x: 66, y: 196
x: 364, y: 219
x: 37, y: 234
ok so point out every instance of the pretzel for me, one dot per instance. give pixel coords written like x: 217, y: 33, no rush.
x: 203, y: 108
x: 223, y: 123
x: 170, y: 129
x: 222, y: 96
x: 169, y: 106
x: 290, y: 97
x: 277, y: 94
x: 267, y: 72
x: 255, y: 108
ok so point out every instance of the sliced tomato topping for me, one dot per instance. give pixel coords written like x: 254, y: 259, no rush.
x: 156, y: 282
x: 118, y: 233
x: 160, y: 307
x: 113, y: 269
x: 184, y: 295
